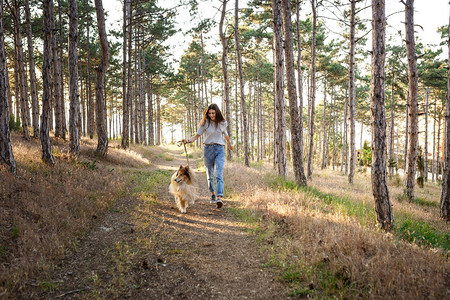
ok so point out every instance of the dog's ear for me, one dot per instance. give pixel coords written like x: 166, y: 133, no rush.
x: 181, y: 167
x: 187, y: 168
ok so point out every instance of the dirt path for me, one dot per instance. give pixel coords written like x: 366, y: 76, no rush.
x: 148, y: 250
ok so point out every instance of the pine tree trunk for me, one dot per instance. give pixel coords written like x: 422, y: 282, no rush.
x: 413, y: 107
x: 324, y: 129
x: 151, y: 136
x: 445, y: 194
x: 21, y: 75
x: 433, y: 169
x: 236, y: 113
x: 61, y: 72
x: 102, y: 132
x: 57, y: 97
x: 47, y: 156
x: 33, y: 89
x: 129, y: 72
x: 300, y: 75
x: 126, y: 114
x: 90, y: 111
x: 226, y: 84
x: 344, y: 166
x: 312, y: 97
x: 380, y: 190
x: 74, y: 134
x: 6, y: 152
x: 334, y: 128
x: 136, y: 88
x: 438, y: 159
x: 426, y: 138
x: 391, y: 138
x: 352, y: 94
x: 296, y: 134
x: 280, y: 132
x: 158, y: 120
x: 406, y: 131
x: 241, y: 81
x: 8, y: 94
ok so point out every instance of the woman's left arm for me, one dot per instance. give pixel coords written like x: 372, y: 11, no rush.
x: 230, y: 145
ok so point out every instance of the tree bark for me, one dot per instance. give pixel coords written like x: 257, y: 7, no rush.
x: 57, y: 96
x: 352, y: 94
x: 391, y: 138
x: 280, y: 133
x: 61, y: 72
x: 312, y: 90
x: 445, y: 194
x: 158, y: 120
x: 426, y: 138
x: 90, y: 111
x: 47, y: 156
x: 33, y: 89
x: 300, y: 75
x: 433, y: 168
x: 21, y: 75
x: 226, y: 84
x: 296, y: 134
x: 6, y: 152
x: 74, y: 134
x: 102, y: 132
x: 413, y: 107
x: 324, y: 128
x: 241, y: 86
x: 126, y: 114
x: 380, y: 189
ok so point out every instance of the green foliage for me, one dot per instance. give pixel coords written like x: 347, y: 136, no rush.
x: 366, y: 155
x: 14, y: 125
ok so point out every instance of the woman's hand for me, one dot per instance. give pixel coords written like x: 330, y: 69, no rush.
x: 185, y: 141
x: 230, y: 147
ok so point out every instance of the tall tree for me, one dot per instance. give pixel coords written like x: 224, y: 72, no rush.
x: 352, y: 92
x: 21, y: 78
x: 445, y: 194
x: 380, y: 190
x: 296, y: 134
x: 312, y: 90
x: 241, y: 84
x: 90, y: 101
x: 102, y: 132
x: 74, y: 134
x: 125, y: 105
x: 413, y: 128
x: 226, y: 84
x: 57, y: 91
x: 300, y: 75
x: 280, y: 132
x: 33, y: 89
x: 6, y: 153
x: 47, y: 156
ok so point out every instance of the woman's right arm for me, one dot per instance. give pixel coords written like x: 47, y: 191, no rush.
x: 191, y: 139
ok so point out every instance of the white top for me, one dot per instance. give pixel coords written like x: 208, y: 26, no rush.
x: 213, y: 134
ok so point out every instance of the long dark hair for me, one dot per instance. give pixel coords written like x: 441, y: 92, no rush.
x: 219, y: 116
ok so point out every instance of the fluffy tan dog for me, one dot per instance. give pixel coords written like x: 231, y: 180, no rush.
x: 182, y: 188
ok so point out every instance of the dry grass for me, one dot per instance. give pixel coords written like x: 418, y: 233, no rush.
x: 326, y: 249
x: 46, y: 209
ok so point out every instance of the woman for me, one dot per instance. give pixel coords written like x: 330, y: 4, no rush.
x: 214, y: 128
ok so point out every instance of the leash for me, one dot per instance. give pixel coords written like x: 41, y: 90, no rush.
x: 185, y: 151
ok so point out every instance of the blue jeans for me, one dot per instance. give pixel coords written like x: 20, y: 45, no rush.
x: 214, y: 156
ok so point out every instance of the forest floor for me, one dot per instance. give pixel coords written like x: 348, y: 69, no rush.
x: 144, y: 248
x: 90, y: 228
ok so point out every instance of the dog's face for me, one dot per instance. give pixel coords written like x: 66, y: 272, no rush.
x: 183, y: 175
